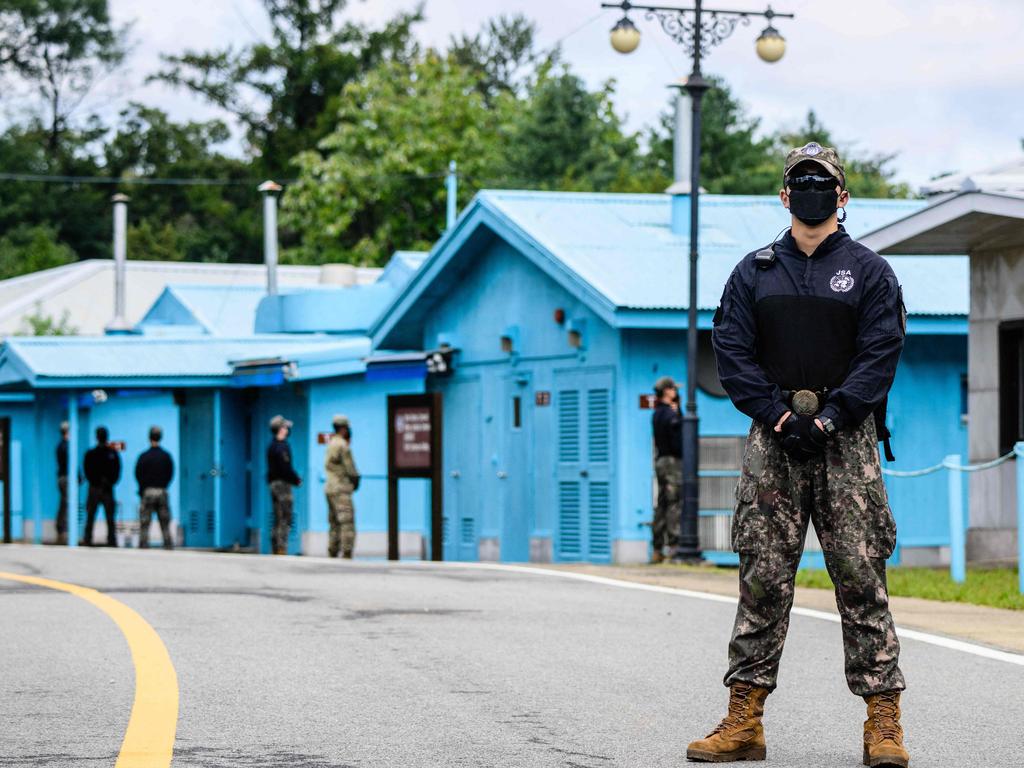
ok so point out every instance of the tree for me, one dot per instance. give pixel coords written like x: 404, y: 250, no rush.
x: 194, y: 222
x: 25, y: 249
x: 281, y: 90
x: 375, y: 183
x: 59, y: 47
x: 866, y: 175
x: 567, y: 137
x: 503, y: 54
x: 734, y: 159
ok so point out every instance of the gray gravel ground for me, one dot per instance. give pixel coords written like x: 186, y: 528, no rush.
x: 321, y: 664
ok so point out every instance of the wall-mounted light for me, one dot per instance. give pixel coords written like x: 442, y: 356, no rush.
x: 510, y: 340
x: 560, y: 316
x: 577, y: 328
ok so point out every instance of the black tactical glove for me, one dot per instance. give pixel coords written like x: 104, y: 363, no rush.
x: 802, y: 439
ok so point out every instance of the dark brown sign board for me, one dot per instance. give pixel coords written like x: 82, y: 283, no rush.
x: 542, y: 398
x: 647, y: 402
x: 414, y: 450
x: 323, y: 438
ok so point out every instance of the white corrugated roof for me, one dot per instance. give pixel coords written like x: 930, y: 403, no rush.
x: 1005, y: 177
x: 85, y: 289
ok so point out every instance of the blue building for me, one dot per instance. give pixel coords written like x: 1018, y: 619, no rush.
x: 564, y: 308
x: 559, y: 311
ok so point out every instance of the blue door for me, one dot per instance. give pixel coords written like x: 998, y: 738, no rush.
x: 198, y: 472
x: 462, y: 458
x: 516, y: 470
x: 583, y: 474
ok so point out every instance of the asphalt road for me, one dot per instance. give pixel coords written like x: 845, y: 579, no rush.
x: 322, y: 664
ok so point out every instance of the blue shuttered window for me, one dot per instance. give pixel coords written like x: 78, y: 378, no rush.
x: 598, y: 423
x: 569, y: 537
x: 600, y: 520
x: 569, y: 426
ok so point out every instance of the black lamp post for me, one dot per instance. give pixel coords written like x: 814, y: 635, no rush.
x: 695, y: 29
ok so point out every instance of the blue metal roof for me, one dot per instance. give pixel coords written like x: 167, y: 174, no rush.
x: 622, y: 244
x: 167, y: 361
x: 618, y: 254
x: 219, y: 310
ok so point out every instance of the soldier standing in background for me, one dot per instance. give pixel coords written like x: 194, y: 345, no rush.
x: 667, y: 424
x: 154, y: 471
x: 102, y: 468
x: 342, y: 480
x: 62, y: 483
x: 282, y: 477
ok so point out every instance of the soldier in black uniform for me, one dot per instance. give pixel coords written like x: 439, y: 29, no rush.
x: 807, y: 337
x: 102, y: 468
x: 667, y: 426
x: 282, y: 478
x: 154, y: 471
x: 62, y: 484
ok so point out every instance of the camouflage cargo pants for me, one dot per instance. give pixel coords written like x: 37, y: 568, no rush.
x: 282, y: 502
x: 342, y: 518
x: 154, y: 500
x: 844, y: 495
x: 665, y: 528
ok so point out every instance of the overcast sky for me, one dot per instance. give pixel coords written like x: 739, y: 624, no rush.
x: 940, y: 82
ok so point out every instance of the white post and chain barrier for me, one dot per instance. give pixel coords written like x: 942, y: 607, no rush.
x: 957, y: 518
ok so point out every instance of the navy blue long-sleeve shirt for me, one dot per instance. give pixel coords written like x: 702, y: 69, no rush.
x: 833, y: 321
x: 279, y: 463
x: 667, y: 425
x: 154, y: 469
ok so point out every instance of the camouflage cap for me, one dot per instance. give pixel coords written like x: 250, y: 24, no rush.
x: 812, y: 151
x: 665, y: 382
x: 279, y: 421
x: 340, y: 421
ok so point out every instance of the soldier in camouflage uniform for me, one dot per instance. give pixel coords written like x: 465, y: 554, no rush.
x: 666, y: 424
x: 342, y: 480
x: 807, y: 339
x: 282, y: 477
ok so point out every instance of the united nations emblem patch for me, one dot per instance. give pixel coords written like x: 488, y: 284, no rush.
x: 842, y: 281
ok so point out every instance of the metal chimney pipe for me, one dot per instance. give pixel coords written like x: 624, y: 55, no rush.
x: 452, y: 187
x: 270, y: 190
x: 120, y: 323
x: 681, y: 141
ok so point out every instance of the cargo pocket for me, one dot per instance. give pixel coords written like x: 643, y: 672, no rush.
x: 881, y: 535
x: 748, y: 523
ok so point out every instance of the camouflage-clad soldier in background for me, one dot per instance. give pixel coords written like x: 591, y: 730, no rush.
x: 667, y: 425
x: 282, y: 478
x: 154, y: 471
x: 807, y: 338
x: 342, y: 480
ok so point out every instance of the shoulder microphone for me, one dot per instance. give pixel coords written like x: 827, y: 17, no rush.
x: 765, y: 257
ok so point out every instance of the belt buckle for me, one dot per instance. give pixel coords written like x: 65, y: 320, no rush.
x: 805, y: 402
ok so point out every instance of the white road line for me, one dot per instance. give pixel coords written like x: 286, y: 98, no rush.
x: 908, y: 634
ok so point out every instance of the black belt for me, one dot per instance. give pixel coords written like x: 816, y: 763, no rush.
x: 805, y: 402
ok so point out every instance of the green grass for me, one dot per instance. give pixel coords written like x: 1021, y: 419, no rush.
x: 996, y: 587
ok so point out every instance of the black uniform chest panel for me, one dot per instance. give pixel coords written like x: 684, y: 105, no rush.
x: 805, y: 342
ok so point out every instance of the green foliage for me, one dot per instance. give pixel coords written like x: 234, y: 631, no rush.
x: 501, y: 55
x: 25, y: 249
x: 40, y: 324
x: 374, y: 184
x: 866, y: 175
x: 996, y: 587
x: 566, y: 137
x: 280, y: 91
x: 59, y: 47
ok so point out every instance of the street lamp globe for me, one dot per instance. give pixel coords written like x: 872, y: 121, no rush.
x: 770, y: 45
x: 625, y: 36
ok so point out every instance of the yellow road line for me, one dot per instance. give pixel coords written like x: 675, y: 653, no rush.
x: 149, y: 739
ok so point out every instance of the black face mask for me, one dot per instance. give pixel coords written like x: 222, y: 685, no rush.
x: 813, y: 206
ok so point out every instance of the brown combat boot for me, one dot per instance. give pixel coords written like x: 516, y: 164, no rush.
x: 740, y: 736
x: 657, y: 557
x: 883, y: 735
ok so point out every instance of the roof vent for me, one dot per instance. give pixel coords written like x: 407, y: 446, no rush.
x: 338, y: 274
